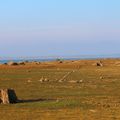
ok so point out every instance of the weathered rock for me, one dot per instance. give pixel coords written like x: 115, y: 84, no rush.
x: 29, y: 81
x: 12, y: 63
x: 75, y: 81
x: 38, y: 63
x: 72, y: 81
x: 99, y: 64
x: 4, y: 97
x: 101, y: 77
x: 79, y: 81
x: 43, y: 80
x: 46, y: 80
x: 8, y: 96
x: 21, y: 63
x: 61, y: 81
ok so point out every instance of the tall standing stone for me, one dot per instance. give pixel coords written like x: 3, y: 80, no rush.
x: 8, y: 96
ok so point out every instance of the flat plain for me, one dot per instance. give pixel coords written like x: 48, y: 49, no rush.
x: 74, y: 90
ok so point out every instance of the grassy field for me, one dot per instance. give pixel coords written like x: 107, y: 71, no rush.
x: 95, y: 97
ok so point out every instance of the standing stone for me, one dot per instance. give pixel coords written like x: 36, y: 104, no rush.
x: 99, y: 64
x: 4, y: 96
x: 8, y: 96
x: 0, y: 97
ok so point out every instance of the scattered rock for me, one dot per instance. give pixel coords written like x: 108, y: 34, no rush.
x: 93, y: 111
x: 75, y: 81
x: 38, y: 63
x: 61, y: 81
x: 79, y: 81
x: 101, y: 77
x: 60, y: 61
x: 46, y: 80
x: 99, y: 64
x: 21, y: 63
x: 72, y: 81
x: 29, y: 81
x: 12, y: 63
x: 43, y: 80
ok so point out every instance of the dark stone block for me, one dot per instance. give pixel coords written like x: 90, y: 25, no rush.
x: 8, y: 96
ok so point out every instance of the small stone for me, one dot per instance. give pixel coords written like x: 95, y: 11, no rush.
x: 80, y: 81
x: 101, y: 77
x: 93, y: 111
x: 72, y: 81
x: 29, y: 81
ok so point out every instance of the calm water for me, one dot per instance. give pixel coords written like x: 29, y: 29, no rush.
x: 20, y: 60
x: 38, y: 60
x: 2, y: 60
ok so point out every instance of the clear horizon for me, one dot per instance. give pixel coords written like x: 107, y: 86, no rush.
x: 59, y: 28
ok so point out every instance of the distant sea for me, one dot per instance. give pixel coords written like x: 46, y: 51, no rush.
x: 20, y: 60
x: 42, y: 59
x: 38, y: 60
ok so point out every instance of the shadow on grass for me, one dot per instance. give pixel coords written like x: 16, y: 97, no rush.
x: 34, y: 100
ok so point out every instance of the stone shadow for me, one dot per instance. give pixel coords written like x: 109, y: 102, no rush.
x: 34, y: 100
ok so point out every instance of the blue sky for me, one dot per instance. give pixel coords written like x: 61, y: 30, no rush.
x: 59, y: 27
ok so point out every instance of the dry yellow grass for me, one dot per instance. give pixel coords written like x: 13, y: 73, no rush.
x: 96, y: 97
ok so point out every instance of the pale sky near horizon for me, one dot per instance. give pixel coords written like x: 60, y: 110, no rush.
x: 59, y: 27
